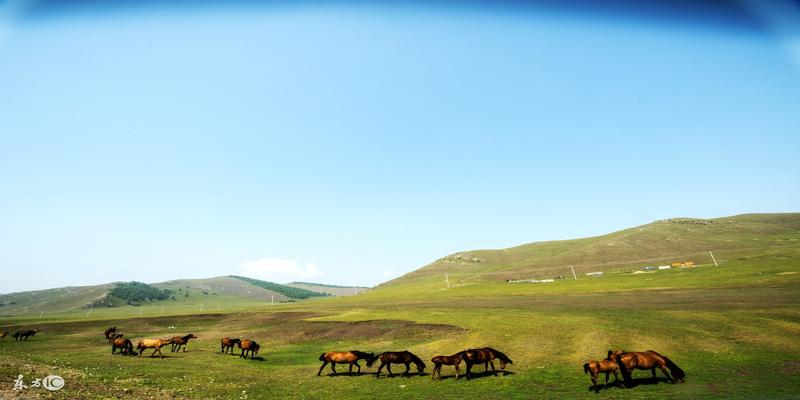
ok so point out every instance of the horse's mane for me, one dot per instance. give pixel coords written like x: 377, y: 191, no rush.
x: 187, y: 337
x: 416, y: 360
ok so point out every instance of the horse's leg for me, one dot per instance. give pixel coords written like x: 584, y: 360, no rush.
x: 493, y: 369
x: 606, y: 384
x: 458, y: 371
x: 359, y: 368
x: 184, y: 347
x: 350, y: 372
x: 435, y: 368
x: 324, y: 363
x: 407, y: 370
x: 389, y: 368
x: 380, y: 367
x: 594, y: 382
x: 486, y: 367
x: 469, y: 370
x: 333, y: 367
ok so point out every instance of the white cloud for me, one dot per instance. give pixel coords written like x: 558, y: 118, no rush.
x: 390, y: 272
x: 280, y: 270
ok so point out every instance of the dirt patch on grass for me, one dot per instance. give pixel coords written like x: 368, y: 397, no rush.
x: 790, y: 367
x: 374, y: 329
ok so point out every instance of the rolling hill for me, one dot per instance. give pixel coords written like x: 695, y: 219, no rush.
x: 211, y: 292
x: 660, y: 242
x: 334, y: 290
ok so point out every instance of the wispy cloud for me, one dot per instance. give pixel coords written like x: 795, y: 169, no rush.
x: 280, y: 270
x: 390, y: 273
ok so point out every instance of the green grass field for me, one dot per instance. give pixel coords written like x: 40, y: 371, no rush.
x: 734, y: 329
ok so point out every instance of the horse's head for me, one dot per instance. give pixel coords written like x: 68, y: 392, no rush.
x: 613, y: 354
x: 191, y: 336
x: 371, y: 359
x: 254, y: 347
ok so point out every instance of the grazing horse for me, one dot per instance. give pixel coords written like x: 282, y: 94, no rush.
x: 597, y: 367
x: 438, y: 361
x: 125, y: 345
x: 248, y: 345
x: 227, y: 344
x: 155, y: 344
x: 629, y: 361
x: 484, y: 356
x: 24, y: 335
x: 3, y: 334
x: 110, y: 331
x: 345, y: 357
x: 397, y: 357
x: 179, y: 341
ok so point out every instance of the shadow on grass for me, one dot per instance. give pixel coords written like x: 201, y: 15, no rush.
x: 484, y: 374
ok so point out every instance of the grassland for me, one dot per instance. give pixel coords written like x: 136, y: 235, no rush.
x: 734, y: 329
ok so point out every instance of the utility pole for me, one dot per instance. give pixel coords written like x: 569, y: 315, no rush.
x: 446, y: 279
x: 90, y: 311
x: 715, y: 260
x: 573, y: 273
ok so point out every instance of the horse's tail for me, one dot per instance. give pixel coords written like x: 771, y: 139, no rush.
x: 322, y: 357
x: 586, y: 368
x: 674, y: 369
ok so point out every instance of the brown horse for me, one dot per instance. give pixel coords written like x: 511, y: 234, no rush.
x: 124, y: 345
x: 248, y: 345
x: 227, y: 344
x: 155, y: 344
x: 179, y: 341
x: 454, y: 360
x: 397, y: 357
x: 344, y: 357
x: 485, y: 356
x: 113, y: 336
x: 603, y: 366
x: 3, y: 334
x: 629, y: 361
x: 24, y: 335
x: 108, y: 333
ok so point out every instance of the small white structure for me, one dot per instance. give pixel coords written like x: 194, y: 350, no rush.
x: 664, y: 267
x: 598, y: 273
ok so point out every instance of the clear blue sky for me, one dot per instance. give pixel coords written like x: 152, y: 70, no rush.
x: 350, y: 144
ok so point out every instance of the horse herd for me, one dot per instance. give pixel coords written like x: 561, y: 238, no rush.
x: 616, y: 361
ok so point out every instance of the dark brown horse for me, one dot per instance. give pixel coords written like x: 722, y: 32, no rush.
x: 113, y: 336
x: 179, y: 341
x: 629, y: 361
x: 606, y: 366
x: 250, y: 346
x: 344, y: 357
x: 25, y: 334
x: 109, y: 331
x: 454, y: 360
x: 124, y: 345
x: 227, y: 344
x: 485, y: 356
x: 397, y: 357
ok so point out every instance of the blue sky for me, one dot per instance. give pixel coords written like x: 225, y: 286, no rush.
x: 350, y: 144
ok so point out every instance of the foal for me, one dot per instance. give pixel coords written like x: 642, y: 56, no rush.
x: 227, y: 344
x: 454, y: 360
x: 603, y: 366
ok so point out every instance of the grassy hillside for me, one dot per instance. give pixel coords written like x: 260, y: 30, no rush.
x: 660, y: 242
x: 218, y: 294
x: 334, y: 290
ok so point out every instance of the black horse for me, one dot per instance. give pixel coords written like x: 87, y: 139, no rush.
x: 397, y: 357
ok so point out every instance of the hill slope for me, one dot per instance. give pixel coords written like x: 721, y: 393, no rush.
x: 224, y: 290
x: 660, y: 242
x: 334, y: 290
